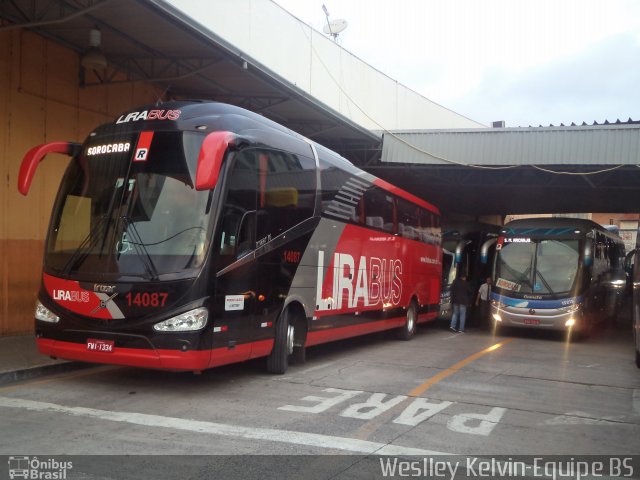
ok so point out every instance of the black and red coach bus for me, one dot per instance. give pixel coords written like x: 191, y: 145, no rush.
x: 196, y: 234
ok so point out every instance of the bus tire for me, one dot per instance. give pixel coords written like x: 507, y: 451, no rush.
x: 587, y: 331
x: 278, y: 359
x: 299, y: 354
x: 408, y: 330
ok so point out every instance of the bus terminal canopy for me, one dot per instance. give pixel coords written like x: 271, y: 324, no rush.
x: 475, y: 171
x: 152, y: 42
x: 588, y: 168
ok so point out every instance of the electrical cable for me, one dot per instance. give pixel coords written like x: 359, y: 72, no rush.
x: 433, y: 155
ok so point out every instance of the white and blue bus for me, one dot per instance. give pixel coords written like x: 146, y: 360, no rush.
x: 556, y: 273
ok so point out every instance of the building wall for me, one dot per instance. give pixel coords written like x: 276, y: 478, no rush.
x: 320, y: 67
x: 40, y: 101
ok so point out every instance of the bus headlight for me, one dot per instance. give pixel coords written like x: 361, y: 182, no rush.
x: 44, y: 314
x: 186, y: 322
x: 570, y: 323
x: 497, y: 317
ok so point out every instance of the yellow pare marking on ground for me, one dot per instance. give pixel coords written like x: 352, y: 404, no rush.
x: 366, y: 430
x: 454, y: 368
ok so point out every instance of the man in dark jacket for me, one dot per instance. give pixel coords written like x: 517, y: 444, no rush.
x: 461, y: 297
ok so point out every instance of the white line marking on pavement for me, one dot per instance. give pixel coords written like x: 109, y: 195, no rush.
x: 294, y: 374
x: 198, y: 426
x: 317, y: 367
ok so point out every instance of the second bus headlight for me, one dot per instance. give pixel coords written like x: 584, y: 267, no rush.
x: 186, y: 322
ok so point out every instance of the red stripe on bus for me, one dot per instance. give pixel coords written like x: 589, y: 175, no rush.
x: 165, y: 359
x: 144, y: 142
x: 330, y: 334
x: 406, y: 195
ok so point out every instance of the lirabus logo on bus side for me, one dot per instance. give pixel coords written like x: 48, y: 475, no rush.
x: 365, y: 283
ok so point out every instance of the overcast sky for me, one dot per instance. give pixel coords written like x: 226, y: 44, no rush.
x: 528, y: 62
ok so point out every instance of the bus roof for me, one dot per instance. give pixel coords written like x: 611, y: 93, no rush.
x: 196, y: 115
x: 552, y: 226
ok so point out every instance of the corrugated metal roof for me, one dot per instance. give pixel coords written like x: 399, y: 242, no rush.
x: 608, y: 144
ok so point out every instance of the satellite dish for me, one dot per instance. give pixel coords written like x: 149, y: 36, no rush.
x: 334, y: 27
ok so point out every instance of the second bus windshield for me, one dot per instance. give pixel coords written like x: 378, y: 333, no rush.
x: 539, y: 267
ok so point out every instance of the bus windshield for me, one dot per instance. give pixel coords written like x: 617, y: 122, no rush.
x: 127, y: 205
x: 543, y: 267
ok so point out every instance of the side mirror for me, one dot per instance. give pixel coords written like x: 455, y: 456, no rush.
x: 34, y: 156
x: 460, y: 250
x: 484, y: 250
x: 211, y: 157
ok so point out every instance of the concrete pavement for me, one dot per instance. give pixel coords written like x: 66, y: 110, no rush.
x: 21, y: 360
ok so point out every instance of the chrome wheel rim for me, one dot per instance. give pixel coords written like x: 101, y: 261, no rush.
x: 290, y: 332
x: 411, y: 320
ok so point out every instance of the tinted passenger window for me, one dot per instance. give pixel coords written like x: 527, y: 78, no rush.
x: 378, y: 209
x: 429, y: 230
x: 287, y: 189
x: 342, y: 194
x: 408, y: 222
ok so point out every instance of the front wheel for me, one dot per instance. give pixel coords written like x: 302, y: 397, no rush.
x: 408, y: 330
x: 278, y: 359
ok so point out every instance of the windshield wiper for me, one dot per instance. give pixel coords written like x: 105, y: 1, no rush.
x: 84, y: 248
x: 547, y: 286
x: 140, y: 248
x: 521, y: 277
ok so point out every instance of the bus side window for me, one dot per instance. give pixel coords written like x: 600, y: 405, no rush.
x: 237, y: 232
x: 287, y: 189
x: 379, y: 209
x: 407, y: 219
x: 429, y: 229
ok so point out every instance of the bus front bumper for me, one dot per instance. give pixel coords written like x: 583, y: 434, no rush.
x: 545, y: 319
x: 134, y: 357
x: 160, y: 359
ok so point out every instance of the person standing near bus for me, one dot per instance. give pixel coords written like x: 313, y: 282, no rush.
x: 461, y: 298
x: 482, y: 300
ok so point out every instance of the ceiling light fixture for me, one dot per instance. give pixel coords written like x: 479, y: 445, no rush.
x: 93, y: 58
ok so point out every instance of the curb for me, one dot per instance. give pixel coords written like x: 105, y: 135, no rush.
x: 35, y: 372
